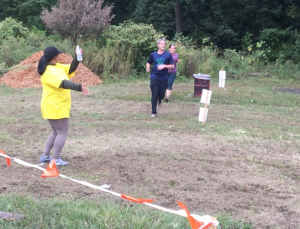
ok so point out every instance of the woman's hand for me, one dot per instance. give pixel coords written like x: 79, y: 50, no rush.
x: 80, y: 51
x: 85, y: 90
x: 178, y: 61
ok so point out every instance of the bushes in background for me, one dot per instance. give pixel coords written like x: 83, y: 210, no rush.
x: 18, y: 43
x: 123, y: 51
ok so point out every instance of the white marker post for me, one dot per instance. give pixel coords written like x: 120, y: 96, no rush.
x: 205, y: 98
x: 222, y: 78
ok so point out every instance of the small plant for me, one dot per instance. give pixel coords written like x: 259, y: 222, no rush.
x: 3, y: 68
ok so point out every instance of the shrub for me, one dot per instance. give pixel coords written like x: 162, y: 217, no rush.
x: 18, y: 42
x: 195, y: 60
x: 284, y: 44
x: 11, y: 27
x: 122, y: 49
x: 3, y: 69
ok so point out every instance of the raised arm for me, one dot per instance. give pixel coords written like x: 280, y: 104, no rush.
x: 74, y: 65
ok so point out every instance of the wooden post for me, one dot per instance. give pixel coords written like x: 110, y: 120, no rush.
x: 222, y: 77
x: 213, y: 227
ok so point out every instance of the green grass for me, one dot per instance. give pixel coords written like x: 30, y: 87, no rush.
x: 243, y: 109
x: 84, y: 213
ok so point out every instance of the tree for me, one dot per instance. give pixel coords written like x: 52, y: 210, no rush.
x: 161, y: 14
x: 26, y: 11
x: 178, y: 14
x: 225, y: 22
x: 78, y: 18
x: 123, y: 10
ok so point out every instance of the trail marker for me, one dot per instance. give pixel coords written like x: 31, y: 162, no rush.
x: 51, y: 170
x: 205, y: 98
x: 222, y: 78
x: 7, y: 159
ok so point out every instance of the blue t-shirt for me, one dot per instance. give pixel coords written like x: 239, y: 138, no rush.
x: 158, y: 59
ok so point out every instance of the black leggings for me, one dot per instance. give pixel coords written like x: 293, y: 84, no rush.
x: 158, y: 88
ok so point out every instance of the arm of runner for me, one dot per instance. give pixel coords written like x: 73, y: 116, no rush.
x: 149, y: 62
x: 168, y: 66
x: 148, y: 67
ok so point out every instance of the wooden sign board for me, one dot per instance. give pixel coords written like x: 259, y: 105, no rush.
x: 201, y: 114
x: 206, y: 95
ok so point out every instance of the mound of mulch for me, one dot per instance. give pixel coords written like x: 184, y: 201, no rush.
x: 25, y: 75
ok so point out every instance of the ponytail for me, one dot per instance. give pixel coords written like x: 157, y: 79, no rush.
x: 42, y: 65
x: 49, y: 53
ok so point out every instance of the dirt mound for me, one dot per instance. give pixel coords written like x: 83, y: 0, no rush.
x: 25, y: 75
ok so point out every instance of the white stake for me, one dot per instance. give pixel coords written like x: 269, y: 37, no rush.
x: 222, y: 78
x: 205, y: 98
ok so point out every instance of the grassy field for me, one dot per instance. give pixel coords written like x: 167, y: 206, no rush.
x: 242, y: 166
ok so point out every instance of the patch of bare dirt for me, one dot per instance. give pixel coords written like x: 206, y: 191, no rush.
x: 25, y: 75
x: 296, y: 91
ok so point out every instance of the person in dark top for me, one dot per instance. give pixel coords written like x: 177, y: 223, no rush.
x: 161, y: 61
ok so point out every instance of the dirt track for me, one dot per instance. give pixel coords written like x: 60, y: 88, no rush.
x: 116, y: 142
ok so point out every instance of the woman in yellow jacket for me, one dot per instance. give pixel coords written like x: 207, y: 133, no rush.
x: 56, y: 100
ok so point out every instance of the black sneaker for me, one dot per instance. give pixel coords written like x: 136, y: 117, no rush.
x: 166, y: 99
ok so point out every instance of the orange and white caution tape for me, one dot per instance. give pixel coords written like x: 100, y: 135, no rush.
x: 196, y: 221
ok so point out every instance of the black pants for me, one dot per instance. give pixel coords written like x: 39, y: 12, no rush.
x: 158, y: 88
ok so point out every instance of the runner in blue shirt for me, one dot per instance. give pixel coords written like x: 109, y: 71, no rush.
x: 162, y: 61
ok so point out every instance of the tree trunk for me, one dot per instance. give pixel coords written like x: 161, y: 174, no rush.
x: 178, y: 15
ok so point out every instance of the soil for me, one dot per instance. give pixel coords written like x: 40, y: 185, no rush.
x: 25, y: 75
x: 252, y: 179
x: 296, y: 91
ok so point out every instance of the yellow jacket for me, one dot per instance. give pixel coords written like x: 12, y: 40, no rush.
x: 56, y: 101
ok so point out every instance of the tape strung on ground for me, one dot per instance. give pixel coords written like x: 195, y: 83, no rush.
x: 206, y: 219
